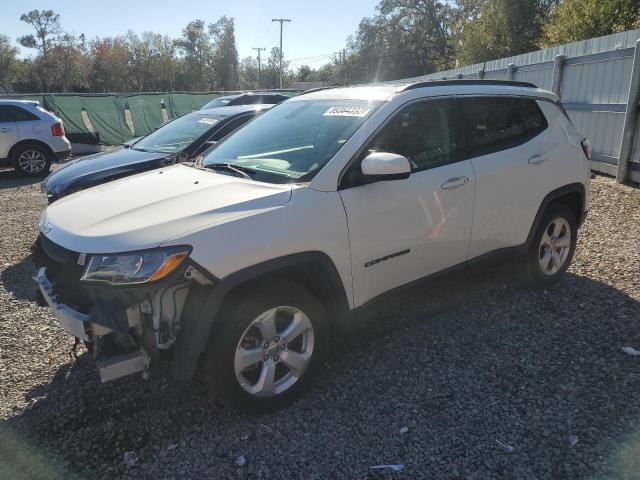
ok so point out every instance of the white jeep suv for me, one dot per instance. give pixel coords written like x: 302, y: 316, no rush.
x: 30, y: 137
x: 238, y: 268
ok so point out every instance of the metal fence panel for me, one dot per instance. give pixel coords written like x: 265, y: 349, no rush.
x: 597, y: 82
x: 603, y: 129
x: 542, y: 77
x: 593, y: 81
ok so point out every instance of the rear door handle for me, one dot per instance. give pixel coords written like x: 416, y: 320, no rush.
x: 536, y: 159
x: 454, y: 182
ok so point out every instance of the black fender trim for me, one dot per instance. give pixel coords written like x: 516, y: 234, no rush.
x: 204, y: 302
x: 547, y: 200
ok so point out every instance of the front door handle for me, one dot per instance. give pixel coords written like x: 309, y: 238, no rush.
x: 454, y: 182
x: 3, y: 130
x: 536, y: 159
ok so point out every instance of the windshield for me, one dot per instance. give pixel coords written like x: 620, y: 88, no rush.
x: 294, y: 139
x: 178, y: 134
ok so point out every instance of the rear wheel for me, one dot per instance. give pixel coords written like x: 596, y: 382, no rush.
x: 269, y: 344
x: 31, y: 160
x: 553, y: 246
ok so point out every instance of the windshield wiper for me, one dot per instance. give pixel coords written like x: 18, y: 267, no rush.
x: 244, y: 172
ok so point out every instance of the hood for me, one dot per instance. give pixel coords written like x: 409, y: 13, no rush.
x: 95, y: 169
x: 145, y: 210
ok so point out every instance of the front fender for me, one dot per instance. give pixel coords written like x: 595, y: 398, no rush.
x: 204, y: 302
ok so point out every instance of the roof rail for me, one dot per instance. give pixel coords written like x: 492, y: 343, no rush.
x: 443, y: 83
x: 318, y: 89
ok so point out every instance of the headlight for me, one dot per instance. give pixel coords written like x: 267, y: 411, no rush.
x: 135, y: 267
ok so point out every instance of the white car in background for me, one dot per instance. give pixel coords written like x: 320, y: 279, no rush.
x: 241, y: 266
x: 30, y: 137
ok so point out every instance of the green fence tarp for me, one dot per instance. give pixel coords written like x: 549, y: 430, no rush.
x: 146, y: 111
x: 183, y: 103
x: 69, y: 109
x: 106, y: 113
x: 107, y: 118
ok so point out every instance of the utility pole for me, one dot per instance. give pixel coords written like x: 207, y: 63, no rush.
x: 259, y: 50
x: 281, y: 20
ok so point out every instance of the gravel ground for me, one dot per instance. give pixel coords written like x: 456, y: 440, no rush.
x: 482, y: 379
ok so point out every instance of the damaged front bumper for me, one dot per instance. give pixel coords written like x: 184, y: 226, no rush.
x: 80, y: 326
x: 127, y: 329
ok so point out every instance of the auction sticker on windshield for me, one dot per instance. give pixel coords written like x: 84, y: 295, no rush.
x: 346, y: 112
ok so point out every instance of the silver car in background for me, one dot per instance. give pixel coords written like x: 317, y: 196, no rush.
x: 30, y: 137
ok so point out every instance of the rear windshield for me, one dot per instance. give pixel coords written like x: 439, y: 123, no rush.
x: 175, y: 136
x: 218, y: 102
x: 295, y: 139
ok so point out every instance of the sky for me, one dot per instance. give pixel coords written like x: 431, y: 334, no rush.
x: 318, y: 28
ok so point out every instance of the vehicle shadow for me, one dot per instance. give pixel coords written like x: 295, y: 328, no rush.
x: 15, y: 277
x: 11, y: 179
x: 463, y: 366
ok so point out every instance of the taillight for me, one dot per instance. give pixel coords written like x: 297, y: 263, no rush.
x: 585, y: 148
x: 57, y: 130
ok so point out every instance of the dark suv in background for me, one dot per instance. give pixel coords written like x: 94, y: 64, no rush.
x: 249, y: 98
x: 179, y: 140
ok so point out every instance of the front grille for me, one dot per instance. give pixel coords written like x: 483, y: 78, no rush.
x: 63, y: 271
x: 55, y: 252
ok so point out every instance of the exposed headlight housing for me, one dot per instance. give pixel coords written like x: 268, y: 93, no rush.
x: 129, y: 268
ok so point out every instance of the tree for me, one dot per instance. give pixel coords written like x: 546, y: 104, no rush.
x: 271, y: 74
x: 196, y: 49
x: 66, y: 64
x: 248, y: 74
x: 574, y: 20
x: 110, y: 69
x: 406, y: 38
x: 46, y: 24
x: 165, y: 63
x: 8, y: 62
x: 302, y: 75
x: 492, y: 29
x: 225, y: 56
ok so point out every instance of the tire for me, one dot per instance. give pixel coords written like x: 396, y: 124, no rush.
x: 557, y: 232
x: 236, y: 334
x: 31, y: 160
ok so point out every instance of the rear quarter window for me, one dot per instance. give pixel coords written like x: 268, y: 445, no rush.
x: 499, y: 123
x: 22, y: 115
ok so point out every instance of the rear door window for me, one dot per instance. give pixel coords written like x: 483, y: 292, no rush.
x: 500, y: 123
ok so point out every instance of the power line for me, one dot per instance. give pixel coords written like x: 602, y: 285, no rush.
x: 313, y: 57
x: 282, y: 21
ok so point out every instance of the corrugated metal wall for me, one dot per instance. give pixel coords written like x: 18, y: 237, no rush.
x: 594, y: 88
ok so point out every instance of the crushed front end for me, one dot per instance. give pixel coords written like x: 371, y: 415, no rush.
x: 128, y: 317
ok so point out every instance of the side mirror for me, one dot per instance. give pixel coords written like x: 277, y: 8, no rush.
x: 385, y: 166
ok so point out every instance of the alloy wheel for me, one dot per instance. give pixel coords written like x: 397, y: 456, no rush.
x: 555, y: 246
x: 32, y: 161
x: 274, y: 351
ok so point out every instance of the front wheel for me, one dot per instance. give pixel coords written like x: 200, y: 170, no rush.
x: 268, y: 345
x: 553, y: 246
